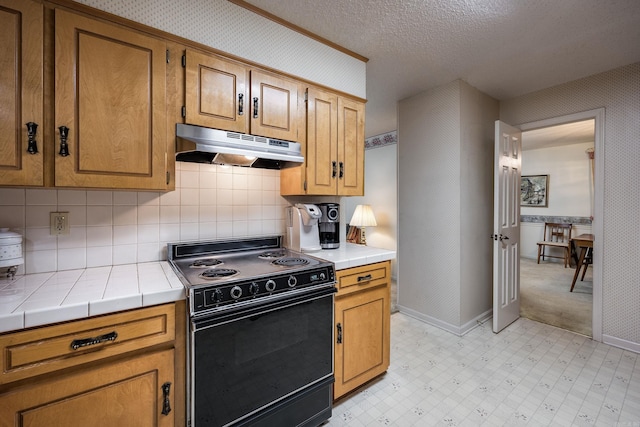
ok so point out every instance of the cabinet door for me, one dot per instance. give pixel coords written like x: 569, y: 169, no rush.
x: 350, y: 148
x: 216, y: 92
x: 112, y: 395
x: 21, y: 91
x: 276, y: 99
x: 362, y: 344
x: 110, y: 92
x: 322, y: 138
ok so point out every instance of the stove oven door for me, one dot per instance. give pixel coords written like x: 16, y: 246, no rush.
x: 253, y: 365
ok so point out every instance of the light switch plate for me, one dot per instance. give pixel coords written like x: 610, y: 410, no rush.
x: 59, y: 222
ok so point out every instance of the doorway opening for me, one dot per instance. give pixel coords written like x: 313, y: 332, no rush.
x: 563, y: 148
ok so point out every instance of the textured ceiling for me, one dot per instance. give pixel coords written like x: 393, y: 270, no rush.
x: 505, y: 48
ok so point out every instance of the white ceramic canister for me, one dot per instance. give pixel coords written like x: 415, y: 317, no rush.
x: 10, y: 248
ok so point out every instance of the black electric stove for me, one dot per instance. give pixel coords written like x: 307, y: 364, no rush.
x: 260, y: 338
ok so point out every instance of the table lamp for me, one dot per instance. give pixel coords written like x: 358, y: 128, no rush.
x: 363, y: 217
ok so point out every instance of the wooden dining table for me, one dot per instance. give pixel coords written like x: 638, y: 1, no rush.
x: 584, y: 242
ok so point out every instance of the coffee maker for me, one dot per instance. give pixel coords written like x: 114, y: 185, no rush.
x: 302, y: 228
x: 329, y: 225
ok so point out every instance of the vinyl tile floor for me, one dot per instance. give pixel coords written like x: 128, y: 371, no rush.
x: 529, y: 374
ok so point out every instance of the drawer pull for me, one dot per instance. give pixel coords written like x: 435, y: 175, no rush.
x: 166, y: 403
x: 339, y: 326
x: 365, y: 278
x: 111, y: 336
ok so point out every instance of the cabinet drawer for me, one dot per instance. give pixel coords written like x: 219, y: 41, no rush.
x: 37, y: 351
x: 364, y: 277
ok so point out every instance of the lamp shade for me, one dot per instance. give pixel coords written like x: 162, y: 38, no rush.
x: 363, y: 217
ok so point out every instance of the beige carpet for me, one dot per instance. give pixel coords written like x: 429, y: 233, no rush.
x: 545, y: 295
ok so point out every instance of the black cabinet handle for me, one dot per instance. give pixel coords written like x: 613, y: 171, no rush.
x: 64, y: 134
x: 333, y: 169
x: 240, y: 104
x: 341, y: 170
x: 166, y: 403
x: 339, y: 326
x: 363, y: 278
x: 255, y: 107
x: 32, y: 146
x: 111, y: 336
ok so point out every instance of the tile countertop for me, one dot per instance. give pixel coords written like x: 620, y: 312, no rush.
x: 351, y: 255
x: 44, y: 298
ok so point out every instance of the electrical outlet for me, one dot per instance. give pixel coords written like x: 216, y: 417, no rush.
x: 59, y: 222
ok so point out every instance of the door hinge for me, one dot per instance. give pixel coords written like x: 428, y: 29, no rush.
x: 184, y: 60
x: 168, y: 56
x: 184, y: 111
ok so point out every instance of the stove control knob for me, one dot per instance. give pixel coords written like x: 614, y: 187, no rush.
x: 216, y: 296
x: 270, y: 285
x: 236, y: 292
x: 292, y: 281
x: 254, y: 288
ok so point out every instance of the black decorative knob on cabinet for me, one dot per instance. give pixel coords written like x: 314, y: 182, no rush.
x: 32, y: 146
x: 64, y: 147
x: 255, y: 107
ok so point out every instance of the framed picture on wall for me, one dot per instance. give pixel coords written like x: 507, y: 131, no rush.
x: 534, y: 191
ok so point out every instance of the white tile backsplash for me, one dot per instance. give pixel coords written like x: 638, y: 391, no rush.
x: 102, y: 198
x: 72, y: 197
x: 12, y: 196
x: 100, y: 216
x: 124, y: 215
x: 41, y: 197
x: 123, y: 227
x: 125, y: 198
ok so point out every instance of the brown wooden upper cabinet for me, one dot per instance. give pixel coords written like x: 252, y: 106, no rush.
x: 334, y: 157
x: 224, y: 94
x: 110, y: 94
x: 21, y: 92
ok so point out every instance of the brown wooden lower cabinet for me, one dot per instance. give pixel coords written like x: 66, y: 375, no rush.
x: 107, y: 382
x: 129, y: 392
x: 362, y: 326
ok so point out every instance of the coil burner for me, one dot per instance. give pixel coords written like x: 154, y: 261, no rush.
x: 272, y: 254
x: 204, y: 263
x: 218, y: 273
x: 290, y: 261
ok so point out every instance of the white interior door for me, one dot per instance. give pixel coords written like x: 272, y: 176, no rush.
x: 506, y: 226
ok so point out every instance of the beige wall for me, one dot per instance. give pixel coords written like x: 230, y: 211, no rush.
x: 445, y: 205
x: 618, y: 92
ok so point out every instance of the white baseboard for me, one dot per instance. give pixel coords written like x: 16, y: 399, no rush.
x: 619, y: 342
x: 456, y: 330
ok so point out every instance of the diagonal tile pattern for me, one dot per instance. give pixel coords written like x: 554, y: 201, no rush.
x: 529, y: 374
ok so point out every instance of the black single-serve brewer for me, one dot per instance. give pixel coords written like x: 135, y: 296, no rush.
x: 329, y: 225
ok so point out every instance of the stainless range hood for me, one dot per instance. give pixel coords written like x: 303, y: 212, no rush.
x: 204, y: 145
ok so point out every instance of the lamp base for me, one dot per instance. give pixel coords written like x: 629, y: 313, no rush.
x: 356, y: 235
x: 363, y: 239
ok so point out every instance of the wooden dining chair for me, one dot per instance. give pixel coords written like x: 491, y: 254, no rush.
x: 557, y: 236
